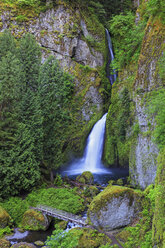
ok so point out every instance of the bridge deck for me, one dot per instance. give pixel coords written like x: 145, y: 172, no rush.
x: 62, y: 215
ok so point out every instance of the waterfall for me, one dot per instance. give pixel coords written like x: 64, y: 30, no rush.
x: 91, y: 160
x: 111, y: 77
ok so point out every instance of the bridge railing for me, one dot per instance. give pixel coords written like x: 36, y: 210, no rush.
x: 62, y: 214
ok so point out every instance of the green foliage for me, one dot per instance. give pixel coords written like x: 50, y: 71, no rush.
x: 156, y: 8
x: 58, y: 180
x: 127, y: 37
x: 27, y: 2
x: 7, y: 44
x: 16, y: 207
x: 158, y: 227
x: 63, y: 199
x: 62, y: 239
x: 29, y: 54
x: 56, y: 88
x: 124, y: 114
x: 162, y: 66
x: 4, y: 231
x: 157, y: 110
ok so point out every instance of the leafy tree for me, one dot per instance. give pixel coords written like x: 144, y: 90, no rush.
x: 56, y: 88
x: 29, y: 54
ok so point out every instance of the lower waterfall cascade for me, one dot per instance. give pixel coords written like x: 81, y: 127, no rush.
x: 91, y: 160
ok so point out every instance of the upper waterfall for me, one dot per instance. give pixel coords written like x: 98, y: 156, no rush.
x: 91, y: 160
x: 112, y: 77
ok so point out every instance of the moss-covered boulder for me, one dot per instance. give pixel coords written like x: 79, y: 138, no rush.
x: 4, y: 243
x: 4, y: 218
x: 34, y: 220
x: 86, y: 177
x: 90, y: 238
x: 23, y: 245
x: 114, y: 207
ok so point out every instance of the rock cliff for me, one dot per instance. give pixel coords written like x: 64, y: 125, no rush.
x: 78, y: 42
x: 135, y: 86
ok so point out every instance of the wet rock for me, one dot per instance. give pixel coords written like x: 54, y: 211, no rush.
x: 114, y: 207
x: 39, y: 243
x: 4, y: 243
x: 23, y: 245
x: 34, y: 220
x: 86, y: 177
x: 4, y: 218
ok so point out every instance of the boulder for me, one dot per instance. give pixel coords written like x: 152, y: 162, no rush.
x: 114, y: 207
x: 4, y: 218
x: 34, y: 220
x: 23, y: 245
x: 86, y: 177
x: 4, y: 243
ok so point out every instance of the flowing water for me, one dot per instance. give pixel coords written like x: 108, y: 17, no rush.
x: 112, y: 76
x: 91, y: 160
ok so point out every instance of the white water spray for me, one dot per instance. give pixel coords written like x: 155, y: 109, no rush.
x: 91, y: 161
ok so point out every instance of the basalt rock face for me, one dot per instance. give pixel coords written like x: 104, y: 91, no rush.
x: 143, y: 165
x: 131, y: 97
x: 62, y: 31
x: 65, y: 31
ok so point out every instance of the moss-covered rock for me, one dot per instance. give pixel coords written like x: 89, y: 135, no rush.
x: 34, y: 220
x: 62, y: 224
x: 90, y: 238
x: 39, y: 243
x: 4, y: 218
x: 158, y: 228
x: 4, y: 243
x: 23, y: 245
x: 114, y: 207
x: 86, y: 177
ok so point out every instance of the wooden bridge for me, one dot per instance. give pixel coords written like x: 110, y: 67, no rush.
x: 62, y: 215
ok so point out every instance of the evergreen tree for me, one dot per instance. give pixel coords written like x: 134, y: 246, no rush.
x: 7, y: 44
x: 30, y: 115
x: 29, y: 54
x: 21, y: 171
x: 10, y: 79
x: 56, y: 88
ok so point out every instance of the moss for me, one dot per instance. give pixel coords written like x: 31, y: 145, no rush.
x: 123, y: 236
x: 4, y: 218
x: 62, y: 224
x: 33, y: 220
x: 91, y: 238
x: 120, y: 118
x: 86, y: 177
x: 107, y: 195
x: 23, y: 245
x: 158, y: 228
x: 4, y: 243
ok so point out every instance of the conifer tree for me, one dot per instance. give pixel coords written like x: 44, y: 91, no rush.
x: 30, y: 115
x: 29, y: 53
x: 7, y: 44
x: 55, y: 89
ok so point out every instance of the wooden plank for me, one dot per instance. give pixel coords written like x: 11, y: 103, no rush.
x: 61, y: 214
